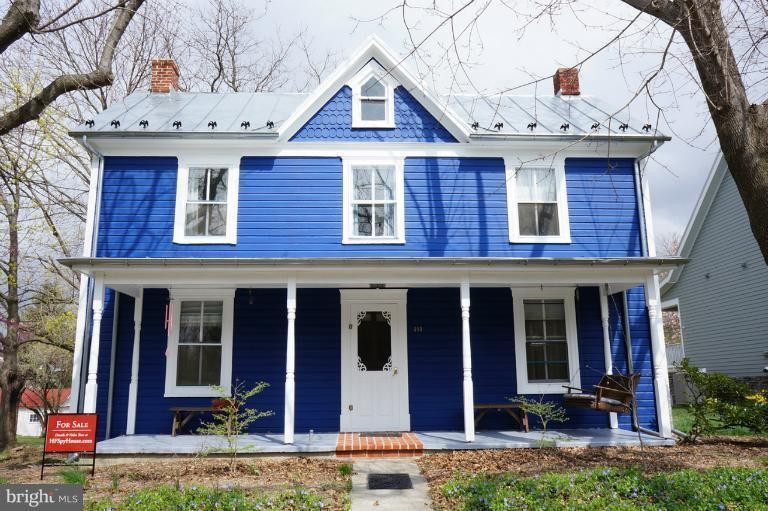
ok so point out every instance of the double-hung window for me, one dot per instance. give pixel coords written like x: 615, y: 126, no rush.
x: 373, y: 205
x: 200, y: 344
x: 538, y: 206
x: 546, y: 347
x: 206, y: 204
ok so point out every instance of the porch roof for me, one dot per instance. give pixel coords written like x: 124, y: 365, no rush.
x: 130, y: 274
x: 87, y: 264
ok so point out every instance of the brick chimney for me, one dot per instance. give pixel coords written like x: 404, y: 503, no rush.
x: 567, y: 81
x: 165, y: 76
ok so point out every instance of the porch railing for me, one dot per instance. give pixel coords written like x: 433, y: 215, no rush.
x: 675, y: 354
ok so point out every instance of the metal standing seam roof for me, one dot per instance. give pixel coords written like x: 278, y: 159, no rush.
x: 230, y: 109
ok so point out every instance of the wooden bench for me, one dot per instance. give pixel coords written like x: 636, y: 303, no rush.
x: 183, y: 414
x: 512, y: 409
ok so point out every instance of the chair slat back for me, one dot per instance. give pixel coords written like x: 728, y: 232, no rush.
x: 620, y: 387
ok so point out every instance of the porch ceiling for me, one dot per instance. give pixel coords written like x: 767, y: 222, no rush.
x: 126, y: 273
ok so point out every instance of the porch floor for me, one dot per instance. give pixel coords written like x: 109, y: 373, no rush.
x: 325, y: 443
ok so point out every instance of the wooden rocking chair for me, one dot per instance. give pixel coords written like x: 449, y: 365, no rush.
x: 614, y: 393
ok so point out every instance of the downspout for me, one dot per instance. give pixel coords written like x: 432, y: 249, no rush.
x: 112, y: 357
x: 86, y: 345
x: 641, y: 211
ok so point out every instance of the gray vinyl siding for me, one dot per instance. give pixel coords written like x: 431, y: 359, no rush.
x: 723, y: 292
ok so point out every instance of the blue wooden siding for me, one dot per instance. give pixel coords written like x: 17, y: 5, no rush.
x: 292, y: 207
x: 413, y: 123
x: 642, y: 359
x: 434, y: 352
x: 105, y: 345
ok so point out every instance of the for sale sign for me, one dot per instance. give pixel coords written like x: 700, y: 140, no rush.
x: 71, y: 432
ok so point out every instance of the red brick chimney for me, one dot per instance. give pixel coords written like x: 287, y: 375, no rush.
x: 165, y: 76
x: 567, y: 81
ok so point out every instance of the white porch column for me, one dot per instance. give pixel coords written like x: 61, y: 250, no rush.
x: 290, y: 364
x: 89, y: 405
x: 79, y: 354
x: 614, y: 421
x: 133, y: 387
x: 466, y: 350
x: 658, y: 348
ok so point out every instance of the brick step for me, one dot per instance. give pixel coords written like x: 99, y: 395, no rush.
x: 353, y: 445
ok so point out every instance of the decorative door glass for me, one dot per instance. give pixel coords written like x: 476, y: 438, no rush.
x: 374, y: 341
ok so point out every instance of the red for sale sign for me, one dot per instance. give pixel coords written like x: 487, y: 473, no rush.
x: 71, y: 432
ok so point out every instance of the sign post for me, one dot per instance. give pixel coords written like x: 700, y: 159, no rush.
x: 71, y: 433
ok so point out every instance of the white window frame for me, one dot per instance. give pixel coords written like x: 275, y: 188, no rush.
x: 558, y: 165
x: 227, y: 296
x: 348, y: 238
x: 519, y: 295
x: 233, y: 191
x: 372, y: 69
x: 33, y: 418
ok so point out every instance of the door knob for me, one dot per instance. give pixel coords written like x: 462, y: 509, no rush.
x: 395, y: 371
x: 350, y: 407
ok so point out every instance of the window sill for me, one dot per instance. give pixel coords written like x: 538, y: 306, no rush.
x: 194, y: 392
x: 205, y: 240
x: 373, y: 241
x: 540, y: 239
x: 546, y: 388
x: 373, y: 124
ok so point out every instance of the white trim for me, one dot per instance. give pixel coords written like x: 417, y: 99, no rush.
x: 397, y: 298
x: 613, y: 419
x: 374, y: 48
x: 347, y: 237
x: 531, y: 151
x: 133, y: 386
x: 650, y: 236
x: 290, y: 363
x: 227, y: 296
x: 466, y: 357
x: 696, y: 222
x: 89, y: 404
x: 567, y: 295
x: 659, y: 353
x: 511, y: 168
x: 373, y: 69
x: 233, y: 191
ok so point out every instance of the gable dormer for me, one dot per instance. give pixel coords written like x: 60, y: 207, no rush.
x: 372, y: 97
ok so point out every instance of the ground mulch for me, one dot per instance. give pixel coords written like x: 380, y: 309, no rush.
x: 261, y: 474
x: 440, y: 467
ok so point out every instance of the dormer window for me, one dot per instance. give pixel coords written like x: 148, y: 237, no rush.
x: 373, y: 104
x: 373, y: 101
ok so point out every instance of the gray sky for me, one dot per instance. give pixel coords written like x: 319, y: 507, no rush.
x: 502, y: 60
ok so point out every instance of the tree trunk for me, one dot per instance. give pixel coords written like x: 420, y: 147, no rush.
x: 11, y: 379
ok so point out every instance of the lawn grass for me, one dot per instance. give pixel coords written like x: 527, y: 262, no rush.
x: 682, y: 419
x: 212, y: 499
x: 617, y: 489
x: 30, y: 440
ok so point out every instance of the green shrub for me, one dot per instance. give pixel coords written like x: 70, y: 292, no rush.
x: 212, y: 499
x: 3, y: 480
x: 544, y: 411
x: 626, y: 489
x: 232, y: 417
x: 73, y: 476
x: 721, y: 402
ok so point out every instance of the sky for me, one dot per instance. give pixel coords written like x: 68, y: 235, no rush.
x: 502, y: 58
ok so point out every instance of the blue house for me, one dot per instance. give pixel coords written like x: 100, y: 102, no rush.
x: 386, y: 259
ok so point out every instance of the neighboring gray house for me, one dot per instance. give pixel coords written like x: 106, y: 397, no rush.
x: 722, y: 293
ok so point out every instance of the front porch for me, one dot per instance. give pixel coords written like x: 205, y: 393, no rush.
x: 326, y: 443
x: 298, y: 325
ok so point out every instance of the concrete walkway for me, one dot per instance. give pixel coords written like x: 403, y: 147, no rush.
x: 364, y: 499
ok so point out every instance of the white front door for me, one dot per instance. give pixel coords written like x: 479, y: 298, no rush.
x: 374, y: 361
